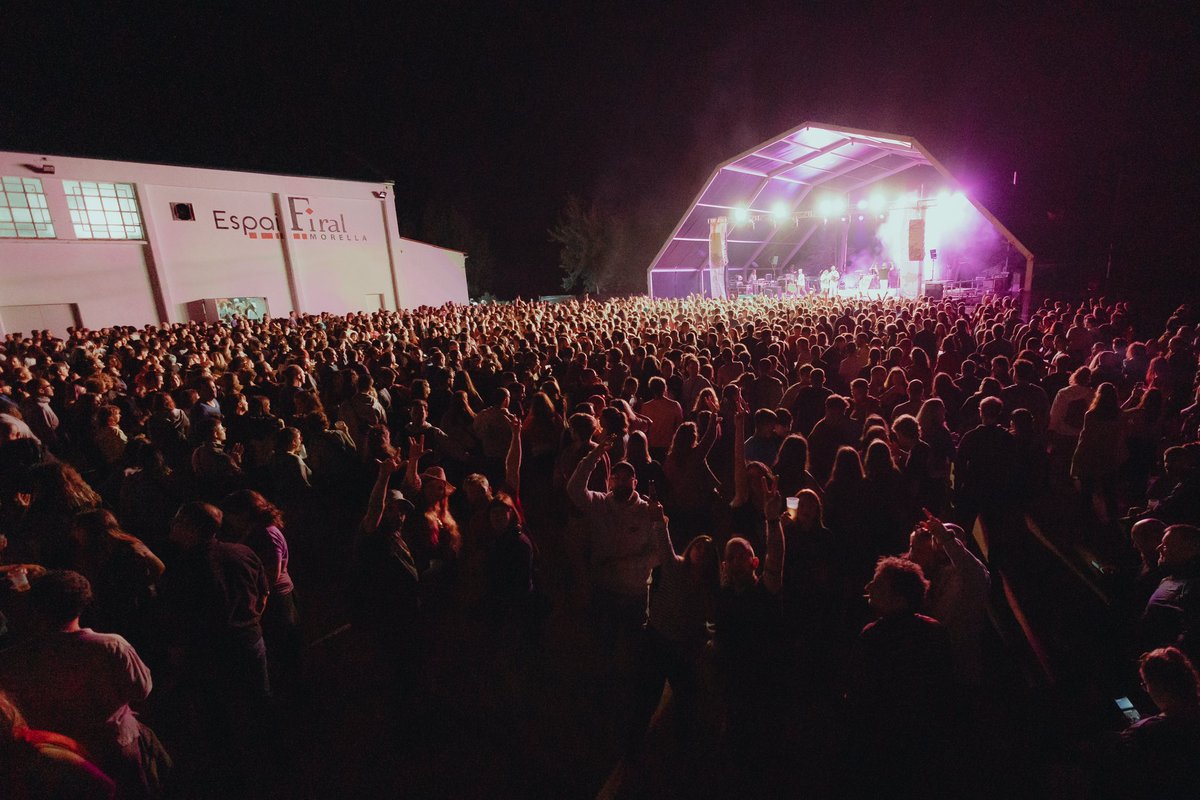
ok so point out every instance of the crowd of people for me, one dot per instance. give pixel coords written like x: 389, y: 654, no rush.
x: 775, y: 522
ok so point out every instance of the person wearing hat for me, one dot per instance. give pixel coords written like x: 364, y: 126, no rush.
x: 385, y: 581
x: 433, y: 534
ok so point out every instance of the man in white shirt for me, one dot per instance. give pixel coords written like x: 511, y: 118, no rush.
x: 80, y: 683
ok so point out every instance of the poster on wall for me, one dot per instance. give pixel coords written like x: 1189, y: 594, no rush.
x: 251, y: 308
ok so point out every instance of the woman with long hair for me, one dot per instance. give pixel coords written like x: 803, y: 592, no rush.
x: 691, y: 488
x: 815, y: 575
x: 463, y: 383
x: 543, y: 428
x: 121, y: 569
x: 252, y: 520
x: 791, y: 467
x: 891, y: 509
x: 895, y: 391
x: 843, y: 502
x: 456, y: 424
x: 649, y: 472
x: 706, y: 400
x: 57, y: 493
x: 1100, y: 452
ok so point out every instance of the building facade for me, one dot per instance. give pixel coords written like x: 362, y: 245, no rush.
x: 98, y: 243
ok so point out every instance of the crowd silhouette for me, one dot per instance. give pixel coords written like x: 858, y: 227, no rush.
x: 701, y: 547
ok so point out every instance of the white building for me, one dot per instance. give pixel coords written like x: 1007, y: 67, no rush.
x: 98, y: 243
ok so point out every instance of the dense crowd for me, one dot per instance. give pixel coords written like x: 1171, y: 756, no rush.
x: 776, y: 523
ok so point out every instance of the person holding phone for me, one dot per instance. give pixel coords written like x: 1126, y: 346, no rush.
x: 749, y: 639
x: 680, y: 606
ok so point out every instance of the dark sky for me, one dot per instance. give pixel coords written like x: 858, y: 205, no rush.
x: 503, y: 110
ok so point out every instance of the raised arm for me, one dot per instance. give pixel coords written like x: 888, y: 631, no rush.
x: 962, y: 558
x: 773, y: 509
x: 370, y: 521
x: 741, y: 478
x: 412, y: 478
x: 662, y: 534
x: 577, y: 486
x: 512, y: 461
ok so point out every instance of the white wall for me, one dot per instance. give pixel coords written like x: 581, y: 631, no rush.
x: 428, y: 275
x: 107, y: 280
x: 336, y: 272
x: 336, y: 252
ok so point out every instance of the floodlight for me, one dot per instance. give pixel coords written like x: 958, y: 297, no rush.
x: 877, y: 203
x: 780, y: 211
x: 862, y: 204
x: 741, y: 214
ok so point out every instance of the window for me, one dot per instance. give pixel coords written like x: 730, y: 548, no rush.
x: 103, y: 210
x: 23, y: 212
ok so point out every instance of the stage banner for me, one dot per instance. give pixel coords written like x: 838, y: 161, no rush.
x: 718, y: 256
x: 916, y: 240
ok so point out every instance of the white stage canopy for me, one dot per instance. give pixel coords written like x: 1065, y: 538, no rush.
x: 773, y: 197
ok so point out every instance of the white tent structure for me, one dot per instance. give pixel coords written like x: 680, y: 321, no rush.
x: 768, y: 200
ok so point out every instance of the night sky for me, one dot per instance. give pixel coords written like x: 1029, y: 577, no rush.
x: 502, y: 111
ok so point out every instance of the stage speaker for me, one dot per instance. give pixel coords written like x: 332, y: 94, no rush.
x: 935, y: 290
x: 916, y: 240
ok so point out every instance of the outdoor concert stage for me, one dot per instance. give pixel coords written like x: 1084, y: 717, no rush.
x: 826, y: 196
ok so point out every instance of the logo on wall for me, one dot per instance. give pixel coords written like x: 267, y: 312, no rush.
x: 304, y: 224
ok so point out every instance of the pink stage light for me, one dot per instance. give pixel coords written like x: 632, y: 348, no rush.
x: 740, y: 215
x: 862, y: 205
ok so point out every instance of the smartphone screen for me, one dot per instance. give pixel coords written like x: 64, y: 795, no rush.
x: 1126, y: 707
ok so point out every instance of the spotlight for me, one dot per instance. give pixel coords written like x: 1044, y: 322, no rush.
x: 877, y: 203
x: 860, y: 217
x: 380, y: 195
x: 780, y: 211
x: 741, y: 215
x: 862, y: 205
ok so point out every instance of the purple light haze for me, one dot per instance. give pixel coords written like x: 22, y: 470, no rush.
x: 966, y: 242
